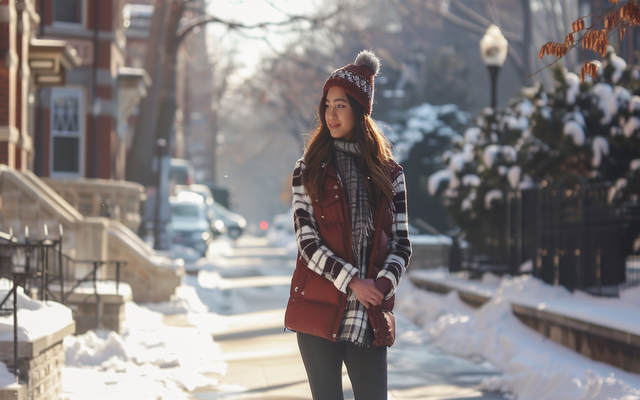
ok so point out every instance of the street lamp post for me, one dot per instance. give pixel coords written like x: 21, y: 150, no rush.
x: 161, y: 146
x: 493, y: 48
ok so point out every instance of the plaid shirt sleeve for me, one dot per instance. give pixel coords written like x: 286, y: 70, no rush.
x: 399, y: 247
x: 318, y: 257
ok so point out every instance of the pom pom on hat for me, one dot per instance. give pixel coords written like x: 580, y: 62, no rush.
x: 368, y: 59
x: 357, y: 79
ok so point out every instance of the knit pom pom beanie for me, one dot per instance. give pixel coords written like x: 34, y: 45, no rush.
x: 357, y: 79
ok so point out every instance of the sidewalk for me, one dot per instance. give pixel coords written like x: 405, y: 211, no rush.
x: 264, y: 361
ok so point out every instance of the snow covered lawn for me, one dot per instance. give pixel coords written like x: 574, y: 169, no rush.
x: 149, y: 360
x: 534, y: 367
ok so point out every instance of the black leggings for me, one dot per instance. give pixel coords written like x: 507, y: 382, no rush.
x: 366, y: 366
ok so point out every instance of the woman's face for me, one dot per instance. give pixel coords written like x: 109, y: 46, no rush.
x: 338, y: 114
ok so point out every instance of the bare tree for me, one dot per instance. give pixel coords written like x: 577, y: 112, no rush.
x: 157, y: 111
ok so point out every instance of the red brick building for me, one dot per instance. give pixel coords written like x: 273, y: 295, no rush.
x: 65, y: 96
x: 78, y: 133
x: 27, y: 64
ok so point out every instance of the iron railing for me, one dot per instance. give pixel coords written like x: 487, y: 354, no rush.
x: 573, y: 234
x: 44, y: 272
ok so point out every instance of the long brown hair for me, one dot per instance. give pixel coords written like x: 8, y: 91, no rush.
x: 375, y: 160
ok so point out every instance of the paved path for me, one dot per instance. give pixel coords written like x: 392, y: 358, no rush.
x: 264, y: 362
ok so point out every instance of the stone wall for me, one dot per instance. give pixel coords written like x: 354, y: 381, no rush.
x: 600, y: 343
x: 40, y: 363
x: 89, y: 313
x: 43, y: 374
x: 119, y: 200
x: 152, y: 278
x: 14, y: 392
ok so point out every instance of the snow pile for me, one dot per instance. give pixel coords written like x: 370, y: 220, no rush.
x: 185, y: 300
x: 7, y: 379
x: 149, y: 360
x: 631, y: 296
x: 35, y: 318
x: 533, y: 366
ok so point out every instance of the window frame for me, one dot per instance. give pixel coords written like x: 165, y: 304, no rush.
x: 74, y: 25
x: 64, y: 91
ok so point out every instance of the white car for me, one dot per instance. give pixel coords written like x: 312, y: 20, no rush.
x: 190, y: 225
x: 217, y: 223
x: 234, y: 223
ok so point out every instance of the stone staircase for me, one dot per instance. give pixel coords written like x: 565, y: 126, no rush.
x: 26, y: 200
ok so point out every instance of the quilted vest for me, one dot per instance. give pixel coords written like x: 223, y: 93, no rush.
x: 315, y: 305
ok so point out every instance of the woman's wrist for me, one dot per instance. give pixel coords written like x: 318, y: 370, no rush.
x: 354, y: 281
x: 384, y: 285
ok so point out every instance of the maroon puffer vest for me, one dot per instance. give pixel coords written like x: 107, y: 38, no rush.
x: 315, y: 305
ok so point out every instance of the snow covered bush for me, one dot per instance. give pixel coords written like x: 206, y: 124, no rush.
x: 578, y: 131
x: 420, y: 136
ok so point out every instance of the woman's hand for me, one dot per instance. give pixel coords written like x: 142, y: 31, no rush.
x: 366, y: 291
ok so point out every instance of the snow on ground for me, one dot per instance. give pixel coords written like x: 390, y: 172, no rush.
x: 149, y: 360
x: 533, y: 367
x: 35, y: 318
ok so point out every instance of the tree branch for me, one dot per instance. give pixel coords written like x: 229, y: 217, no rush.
x: 205, y: 19
x: 471, y: 14
x: 577, y: 42
x: 468, y: 25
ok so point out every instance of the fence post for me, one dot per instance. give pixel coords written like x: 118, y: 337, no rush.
x: 95, y: 290
x: 118, y: 277
x: 15, y: 325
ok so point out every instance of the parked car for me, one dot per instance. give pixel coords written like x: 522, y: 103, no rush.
x: 234, y: 223
x: 190, y: 225
x: 181, y: 172
x: 217, y: 225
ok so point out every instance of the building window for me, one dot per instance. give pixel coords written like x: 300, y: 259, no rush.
x: 67, y: 132
x: 67, y: 11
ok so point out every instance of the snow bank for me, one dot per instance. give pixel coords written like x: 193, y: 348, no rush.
x: 533, y: 367
x: 35, y: 318
x: 185, y: 300
x: 149, y: 360
x: 6, y: 377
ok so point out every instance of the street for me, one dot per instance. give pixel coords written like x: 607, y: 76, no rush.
x: 249, y: 288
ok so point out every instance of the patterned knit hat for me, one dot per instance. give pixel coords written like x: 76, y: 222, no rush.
x: 357, y: 79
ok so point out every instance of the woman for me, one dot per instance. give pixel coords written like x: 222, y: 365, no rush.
x: 351, y: 225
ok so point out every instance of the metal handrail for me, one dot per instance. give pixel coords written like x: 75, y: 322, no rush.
x: 38, y: 255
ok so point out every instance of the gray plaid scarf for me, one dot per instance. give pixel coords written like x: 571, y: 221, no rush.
x: 347, y: 162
